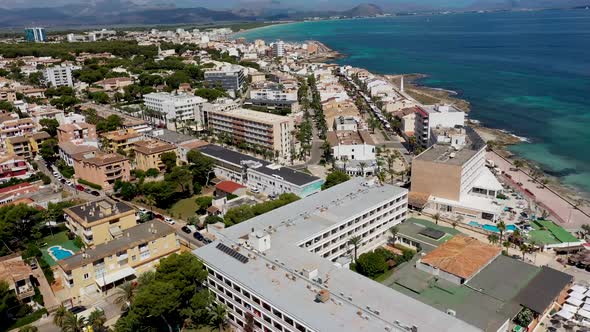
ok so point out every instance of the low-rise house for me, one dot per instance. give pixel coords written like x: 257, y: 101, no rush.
x: 115, y: 83
x: 77, y: 132
x: 12, y: 127
x: 148, y: 154
x: 100, y: 221
x: 7, y: 94
x: 67, y: 151
x: 18, y: 275
x: 109, y: 264
x: 354, y: 151
x: 102, y: 168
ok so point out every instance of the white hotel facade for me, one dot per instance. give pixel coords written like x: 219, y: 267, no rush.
x: 288, y: 269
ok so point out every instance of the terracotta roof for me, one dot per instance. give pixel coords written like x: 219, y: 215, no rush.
x: 99, y: 158
x: 71, y: 149
x: 418, y: 199
x: 15, y: 187
x: 228, y: 186
x: 150, y: 147
x: 14, y: 269
x: 193, y: 144
x: 462, y: 256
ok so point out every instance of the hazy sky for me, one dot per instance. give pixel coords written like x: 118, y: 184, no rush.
x: 316, y: 4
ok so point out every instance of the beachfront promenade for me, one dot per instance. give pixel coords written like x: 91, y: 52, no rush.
x: 566, y: 214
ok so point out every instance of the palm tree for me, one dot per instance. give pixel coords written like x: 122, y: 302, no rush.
x: 454, y: 223
x: 507, y: 245
x: 362, y: 165
x: 436, y: 217
x: 125, y: 294
x: 393, y: 230
x: 73, y: 323
x: 390, y: 160
x: 59, y: 316
x: 355, y: 241
x: 502, y: 227
x: 523, y: 249
x: 97, y: 319
x: 493, y: 238
x: 381, y: 177
x: 150, y: 201
x: 519, y: 163
x: 29, y: 328
x: 218, y: 316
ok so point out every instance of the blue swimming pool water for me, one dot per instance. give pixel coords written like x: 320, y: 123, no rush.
x: 59, y: 252
x: 492, y: 228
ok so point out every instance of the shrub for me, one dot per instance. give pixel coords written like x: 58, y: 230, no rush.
x: 371, y: 264
x: 47, y: 271
x: 90, y: 184
x: 28, y: 319
x: 38, y: 297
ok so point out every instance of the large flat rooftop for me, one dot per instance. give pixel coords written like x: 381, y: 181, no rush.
x: 446, y: 154
x: 256, y: 116
x: 356, y: 302
x: 98, y: 210
x: 230, y: 156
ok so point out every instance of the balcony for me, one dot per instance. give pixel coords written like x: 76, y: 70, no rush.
x: 25, y: 291
x: 122, y: 257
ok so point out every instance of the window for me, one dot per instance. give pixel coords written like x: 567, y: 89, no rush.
x: 277, y: 313
x: 86, y: 276
x: 265, y: 306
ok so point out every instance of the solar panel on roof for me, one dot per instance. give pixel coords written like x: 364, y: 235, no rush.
x: 432, y: 233
x: 231, y: 252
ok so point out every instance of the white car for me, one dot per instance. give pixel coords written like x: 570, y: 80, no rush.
x: 55, y: 173
x: 142, y: 210
x: 255, y: 190
x: 169, y: 220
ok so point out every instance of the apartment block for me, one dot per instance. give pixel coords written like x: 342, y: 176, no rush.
x: 120, y: 140
x: 107, y: 265
x: 102, y: 168
x: 8, y: 95
x: 26, y: 146
x: 77, y: 132
x: 288, y: 268
x: 264, y: 130
x: 148, y: 154
x: 100, y: 221
x: 13, y: 127
x: 230, y: 78
x: 429, y: 118
x: 174, y: 111
x: 14, y: 167
x: 58, y: 76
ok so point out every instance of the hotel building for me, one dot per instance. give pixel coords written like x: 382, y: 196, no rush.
x: 107, y: 265
x: 174, y: 111
x: 435, y: 116
x: 288, y: 268
x: 453, y: 174
x: 264, y: 130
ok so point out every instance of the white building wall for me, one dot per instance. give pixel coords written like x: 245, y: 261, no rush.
x: 354, y: 152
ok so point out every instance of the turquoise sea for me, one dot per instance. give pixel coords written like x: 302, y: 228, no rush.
x: 525, y: 72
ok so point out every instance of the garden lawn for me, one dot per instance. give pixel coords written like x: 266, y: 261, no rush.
x: 61, y: 239
x: 185, y: 208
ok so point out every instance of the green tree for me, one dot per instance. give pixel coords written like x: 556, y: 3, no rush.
x: 181, y: 176
x: 97, y: 319
x: 60, y: 316
x: 201, y: 166
x: 169, y: 159
x: 355, y: 241
x: 29, y: 328
x: 73, y: 323
x: 502, y: 228
x: 334, y: 178
x: 218, y: 316
x: 393, y: 231
x: 125, y: 294
x: 50, y: 126
x: 204, y: 202
x: 213, y: 220
x: 436, y: 217
x: 152, y: 172
x: 493, y: 238
x: 371, y: 264
x: 524, y: 317
x: 162, y: 192
x: 8, y: 301
x: 48, y: 149
x: 238, y: 214
x: 127, y: 190
x: 210, y: 94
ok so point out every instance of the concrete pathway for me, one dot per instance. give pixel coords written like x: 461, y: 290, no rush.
x: 51, y: 301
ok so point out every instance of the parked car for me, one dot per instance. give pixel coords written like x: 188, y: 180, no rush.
x: 77, y: 309
x: 169, y: 220
x: 186, y: 229
x: 95, y: 193
x: 255, y: 190
x: 159, y: 216
x: 142, y: 210
x: 206, y: 240
x: 87, y: 190
x: 80, y: 187
x: 198, y: 236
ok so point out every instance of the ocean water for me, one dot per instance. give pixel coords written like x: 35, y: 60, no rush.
x: 525, y: 72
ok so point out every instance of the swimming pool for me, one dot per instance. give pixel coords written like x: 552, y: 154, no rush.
x: 59, y: 252
x: 492, y: 228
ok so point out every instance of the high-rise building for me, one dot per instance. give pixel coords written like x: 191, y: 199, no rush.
x: 230, y: 78
x: 278, y: 49
x: 174, y: 111
x: 59, y: 76
x: 35, y: 34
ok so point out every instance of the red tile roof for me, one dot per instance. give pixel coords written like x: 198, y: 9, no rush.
x: 228, y: 186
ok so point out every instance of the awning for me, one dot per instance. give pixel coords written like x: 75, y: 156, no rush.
x: 112, y: 277
x: 574, y: 301
x: 565, y: 314
x: 584, y: 313
x: 579, y: 289
x: 586, y: 306
x: 569, y: 307
x: 577, y: 295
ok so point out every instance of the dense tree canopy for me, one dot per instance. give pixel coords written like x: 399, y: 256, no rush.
x: 334, y: 178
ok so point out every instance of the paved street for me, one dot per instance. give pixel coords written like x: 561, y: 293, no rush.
x: 567, y: 215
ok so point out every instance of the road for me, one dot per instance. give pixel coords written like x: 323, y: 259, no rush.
x: 75, y: 193
x: 566, y: 214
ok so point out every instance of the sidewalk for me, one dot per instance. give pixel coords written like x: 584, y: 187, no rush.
x: 51, y: 302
